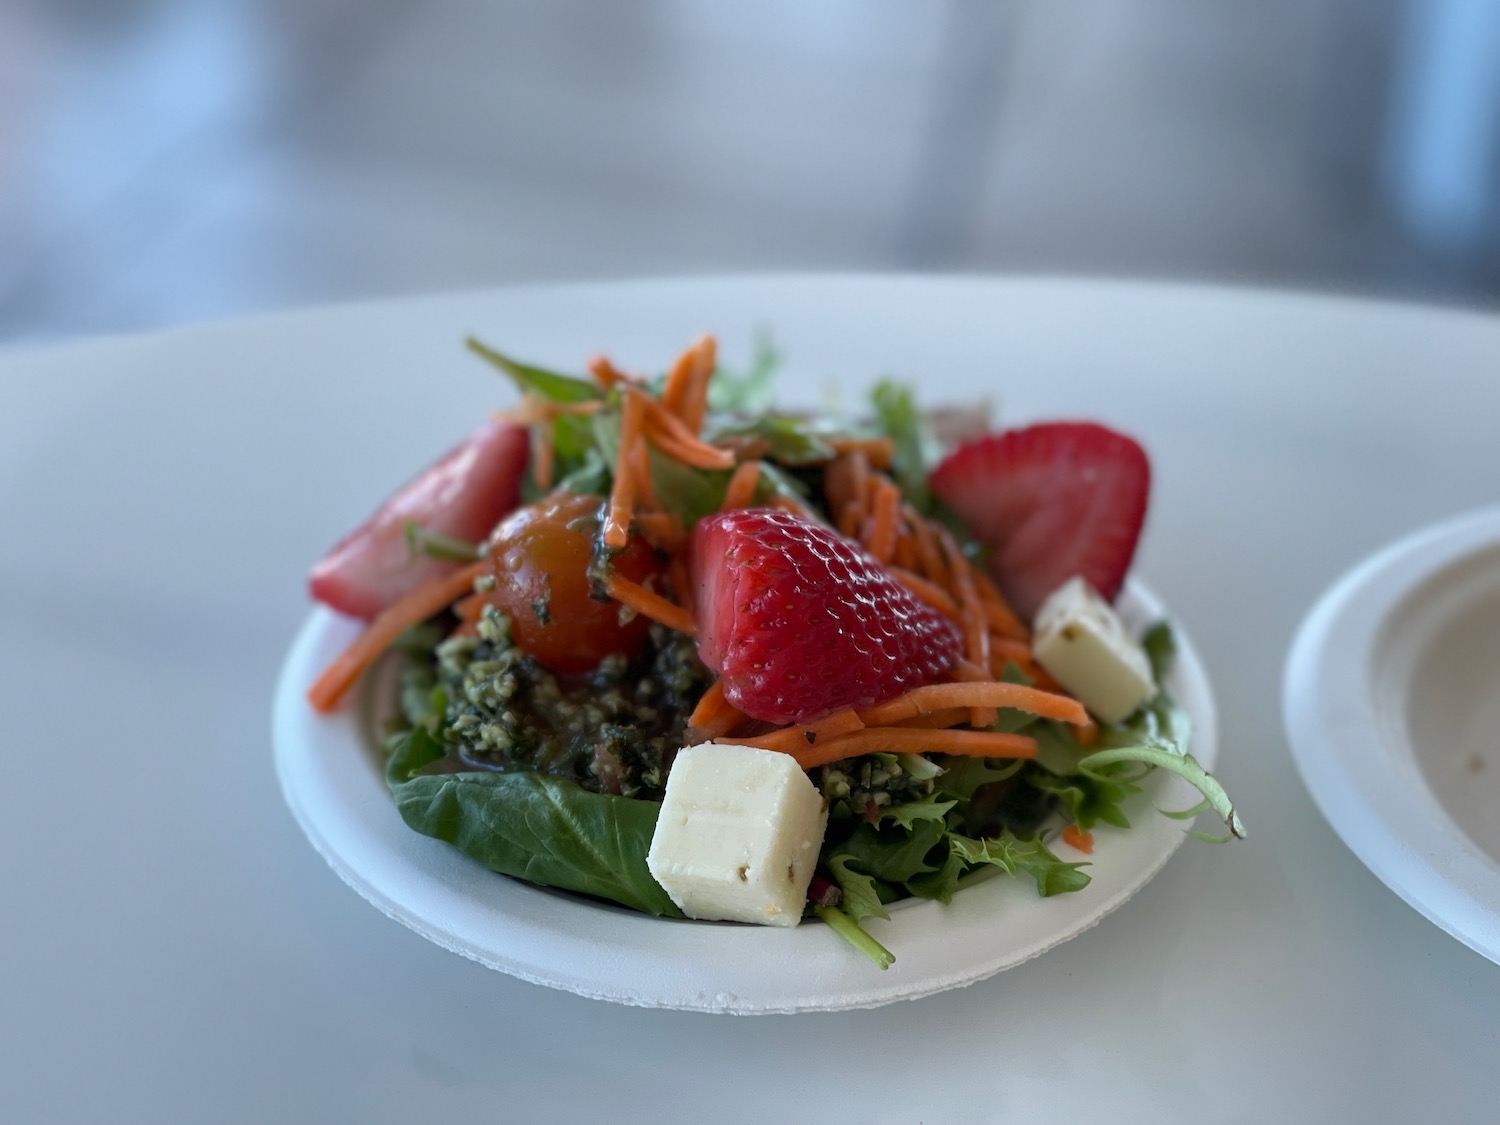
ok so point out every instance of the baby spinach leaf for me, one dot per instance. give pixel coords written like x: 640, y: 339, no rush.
x: 546, y: 830
x: 549, y: 384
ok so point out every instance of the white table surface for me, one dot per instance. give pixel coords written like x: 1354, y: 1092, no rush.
x: 172, y: 949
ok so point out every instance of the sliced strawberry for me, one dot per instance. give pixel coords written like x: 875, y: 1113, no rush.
x: 799, y: 621
x: 464, y: 493
x: 1050, y: 501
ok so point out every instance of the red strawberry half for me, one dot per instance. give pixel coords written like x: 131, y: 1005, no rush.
x: 799, y: 621
x: 1050, y: 501
x: 464, y: 493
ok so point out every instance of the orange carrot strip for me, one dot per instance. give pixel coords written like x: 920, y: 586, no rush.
x: 1002, y: 618
x: 663, y: 530
x: 622, y: 495
x: 929, y: 592
x: 937, y: 697
x: 675, y: 389
x: 885, y: 503
x: 932, y: 561
x: 606, y: 374
x: 1087, y: 734
x: 663, y: 424
x: 695, y: 398
x: 879, y: 452
x: 1075, y: 837
x: 692, y: 452
x: 850, y: 518
x: 795, y: 739
x: 542, y: 456
x: 975, y: 626
x: 645, y: 483
x: 1008, y: 648
x: 654, y: 606
x: 906, y: 552
x: 741, y: 488
x: 905, y: 740
x: 714, y: 717
x: 935, y: 720
x: 433, y: 596
x: 709, y: 705
x: 859, y: 466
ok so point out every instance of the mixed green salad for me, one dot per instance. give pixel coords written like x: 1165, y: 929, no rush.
x: 624, y: 566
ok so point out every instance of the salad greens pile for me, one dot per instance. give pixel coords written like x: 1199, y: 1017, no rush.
x: 900, y: 825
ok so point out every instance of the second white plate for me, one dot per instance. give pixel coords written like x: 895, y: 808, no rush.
x: 1392, y: 706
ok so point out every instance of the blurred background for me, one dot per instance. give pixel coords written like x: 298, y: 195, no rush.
x: 170, y: 161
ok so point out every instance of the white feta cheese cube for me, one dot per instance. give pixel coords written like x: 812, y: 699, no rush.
x: 738, y: 835
x: 1082, y: 643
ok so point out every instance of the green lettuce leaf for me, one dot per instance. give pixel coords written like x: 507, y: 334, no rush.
x: 1012, y: 855
x: 861, y: 897
x: 543, y: 829
x: 748, y: 391
x: 929, y: 808
x: 899, y: 419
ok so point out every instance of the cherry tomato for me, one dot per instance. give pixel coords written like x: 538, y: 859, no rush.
x: 541, y: 555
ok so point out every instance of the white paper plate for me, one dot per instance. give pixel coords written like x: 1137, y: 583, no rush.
x: 1392, y: 706
x: 334, y: 783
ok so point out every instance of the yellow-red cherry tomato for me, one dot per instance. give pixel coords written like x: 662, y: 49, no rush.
x: 541, y: 554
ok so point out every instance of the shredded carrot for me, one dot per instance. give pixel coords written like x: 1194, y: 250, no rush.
x: 795, y: 739
x: 654, y: 606
x: 689, y: 451
x: 885, y: 502
x: 850, y: 517
x: 711, y: 708
x: 1087, y: 734
x: 432, y: 596
x: 937, y: 697
x: 929, y: 592
x: 976, y: 632
x: 1007, y: 648
x: 674, y: 390
x: 645, y: 483
x: 606, y: 374
x: 935, y: 720
x: 695, y: 398
x: 666, y: 427
x: 932, y: 562
x: 1076, y: 838
x: 542, y: 456
x: 906, y: 552
x: 879, y: 452
x: 742, y: 486
x: 1002, y: 619
x: 905, y: 740
x: 663, y: 530
x: 622, y: 495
